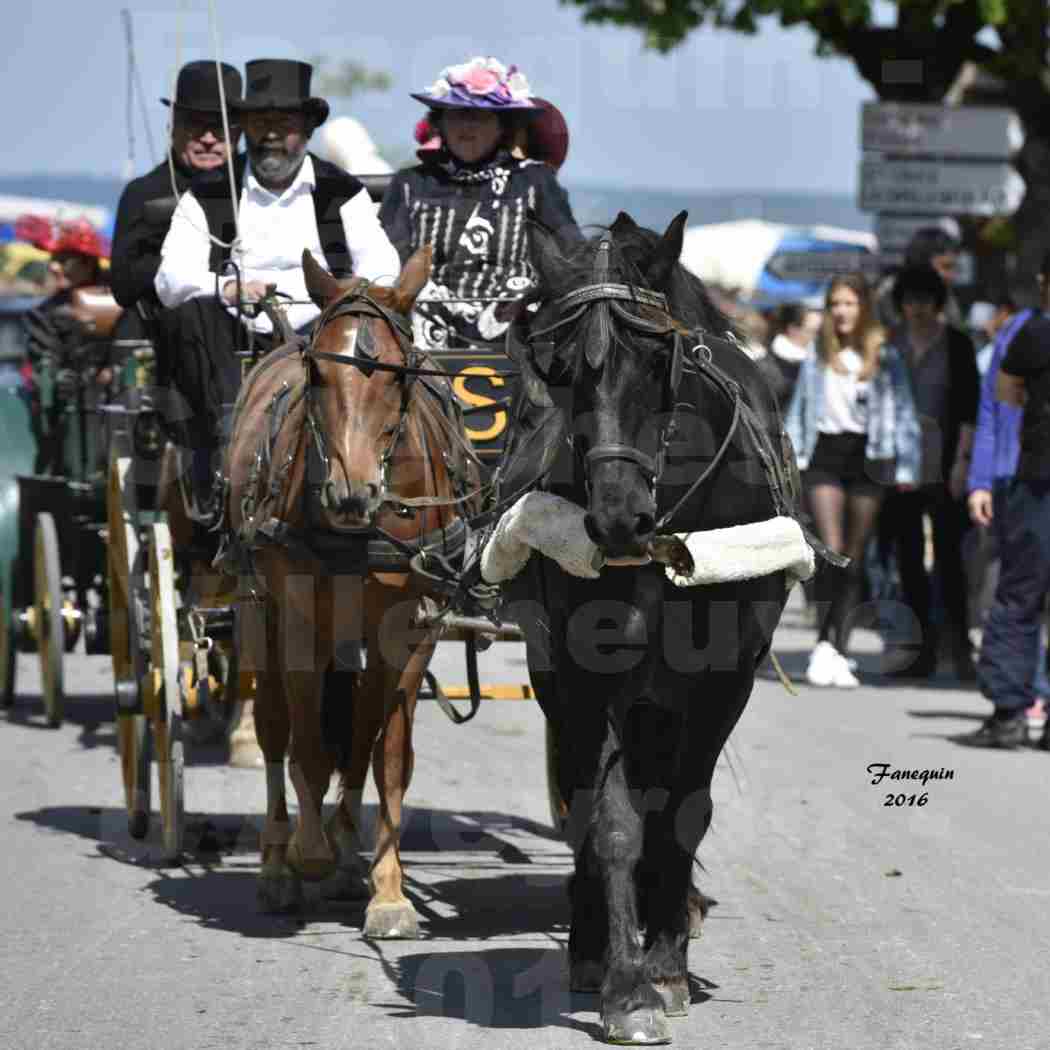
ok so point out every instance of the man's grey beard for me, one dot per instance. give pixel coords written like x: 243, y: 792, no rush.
x: 274, y: 166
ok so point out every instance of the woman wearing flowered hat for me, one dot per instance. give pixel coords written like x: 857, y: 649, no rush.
x: 471, y: 199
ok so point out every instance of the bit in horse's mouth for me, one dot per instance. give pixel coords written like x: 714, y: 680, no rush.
x: 623, y: 560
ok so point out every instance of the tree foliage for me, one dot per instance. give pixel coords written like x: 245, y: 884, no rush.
x: 349, y: 78
x: 916, y: 60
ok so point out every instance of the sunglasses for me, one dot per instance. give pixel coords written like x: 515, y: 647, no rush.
x: 199, y: 124
x: 281, y: 123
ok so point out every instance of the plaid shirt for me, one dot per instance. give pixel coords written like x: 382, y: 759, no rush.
x: 893, y: 426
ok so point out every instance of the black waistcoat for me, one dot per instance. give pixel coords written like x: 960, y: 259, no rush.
x: 334, y: 187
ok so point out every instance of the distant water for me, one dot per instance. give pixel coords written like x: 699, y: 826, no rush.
x: 592, y: 204
x: 656, y: 208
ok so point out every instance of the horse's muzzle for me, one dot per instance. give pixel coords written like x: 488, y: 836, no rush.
x: 351, y: 505
x: 622, y: 536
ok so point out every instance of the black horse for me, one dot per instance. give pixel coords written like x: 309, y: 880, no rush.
x: 672, y: 430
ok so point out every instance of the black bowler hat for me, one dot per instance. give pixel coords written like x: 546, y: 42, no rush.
x: 280, y: 83
x: 198, y: 87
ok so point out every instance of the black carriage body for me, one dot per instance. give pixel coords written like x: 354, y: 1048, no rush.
x: 485, y: 385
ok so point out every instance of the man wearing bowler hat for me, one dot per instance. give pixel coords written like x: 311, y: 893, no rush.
x: 198, y: 144
x: 288, y: 200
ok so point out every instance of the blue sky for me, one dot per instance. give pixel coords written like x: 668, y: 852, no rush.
x: 724, y: 112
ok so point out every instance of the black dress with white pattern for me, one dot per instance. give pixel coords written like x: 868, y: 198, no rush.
x: 476, y: 222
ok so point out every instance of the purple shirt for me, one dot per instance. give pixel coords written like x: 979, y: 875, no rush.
x: 997, y: 443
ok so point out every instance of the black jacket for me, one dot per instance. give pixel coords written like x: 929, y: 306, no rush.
x: 135, y: 256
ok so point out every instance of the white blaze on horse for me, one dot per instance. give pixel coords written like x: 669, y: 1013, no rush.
x: 344, y: 459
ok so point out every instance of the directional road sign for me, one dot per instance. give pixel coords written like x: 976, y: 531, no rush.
x: 912, y: 129
x: 921, y: 186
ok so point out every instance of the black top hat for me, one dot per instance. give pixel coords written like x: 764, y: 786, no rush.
x: 280, y: 83
x: 198, y: 87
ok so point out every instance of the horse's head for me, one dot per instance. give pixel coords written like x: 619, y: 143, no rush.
x: 605, y: 329
x: 358, y: 413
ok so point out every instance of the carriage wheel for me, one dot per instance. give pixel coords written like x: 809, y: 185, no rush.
x: 166, y: 688
x: 48, y: 619
x: 559, y: 811
x: 124, y: 569
x: 8, y: 653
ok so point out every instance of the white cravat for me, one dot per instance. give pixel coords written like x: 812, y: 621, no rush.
x: 274, y: 228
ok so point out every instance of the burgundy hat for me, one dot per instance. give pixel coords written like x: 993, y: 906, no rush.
x: 548, y: 135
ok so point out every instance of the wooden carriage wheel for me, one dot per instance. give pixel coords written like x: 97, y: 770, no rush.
x: 165, y: 688
x: 124, y: 586
x: 48, y: 622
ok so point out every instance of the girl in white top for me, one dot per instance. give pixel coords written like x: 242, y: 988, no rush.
x: 844, y: 484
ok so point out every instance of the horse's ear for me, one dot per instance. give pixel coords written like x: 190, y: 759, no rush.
x: 661, y: 262
x: 321, y: 285
x: 547, y: 257
x: 414, y: 275
x: 622, y: 224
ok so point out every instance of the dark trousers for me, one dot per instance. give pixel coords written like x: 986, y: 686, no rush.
x: 902, y: 517
x: 1010, y: 645
x: 199, y: 359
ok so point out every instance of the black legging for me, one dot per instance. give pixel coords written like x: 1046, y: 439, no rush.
x: 845, y: 518
x: 902, y: 524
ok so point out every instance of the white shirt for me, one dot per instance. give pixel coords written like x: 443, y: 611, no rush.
x: 845, y: 397
x: 275, y: 228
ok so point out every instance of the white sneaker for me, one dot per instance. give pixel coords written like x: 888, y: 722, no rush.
x: 828, y: 667
x: 823, y: 665
x: 844, y: 678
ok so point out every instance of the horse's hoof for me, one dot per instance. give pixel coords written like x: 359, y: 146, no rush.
x: 391, y: 922
x: 586, y: 976
x: 315, y: 868
x: 279, y: 894
x: 347, y: 884
x: 675, y: 996
x: 696, y: 925
x: 644, y: 1027
x: 245, y: 752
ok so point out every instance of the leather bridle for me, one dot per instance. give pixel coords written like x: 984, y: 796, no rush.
x: 608, y: 297
x: 361, y: 304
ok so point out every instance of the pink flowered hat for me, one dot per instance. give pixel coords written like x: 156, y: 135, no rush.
x: 480, y: 83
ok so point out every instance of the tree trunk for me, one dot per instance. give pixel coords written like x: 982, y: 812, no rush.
x: 1032, y: 219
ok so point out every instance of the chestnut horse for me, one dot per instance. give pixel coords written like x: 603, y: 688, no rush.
x: 341, y: 462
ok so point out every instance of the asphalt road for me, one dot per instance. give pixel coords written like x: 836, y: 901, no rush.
x: 841, y: 923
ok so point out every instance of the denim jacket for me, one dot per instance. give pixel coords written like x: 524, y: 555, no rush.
x: 893, y: 426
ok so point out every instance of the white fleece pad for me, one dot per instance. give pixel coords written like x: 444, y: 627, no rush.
x: 547, y: 523
x: 746, y: 551
x: 554, y: 526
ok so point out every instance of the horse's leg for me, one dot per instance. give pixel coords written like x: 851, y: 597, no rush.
x: 310, y: 765
x: 279, y: 889
x: 672, y: 837
x: 390, y: 913
x: 355, y: 711
x: 632, y: 1010
x: 350, y: 881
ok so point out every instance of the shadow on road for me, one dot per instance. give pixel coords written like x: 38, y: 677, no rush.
x: 92, y: 713
x: 497, y: 988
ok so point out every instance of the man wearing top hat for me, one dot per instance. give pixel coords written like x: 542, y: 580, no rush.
x: 198, y: 144
x: 288, y: 200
